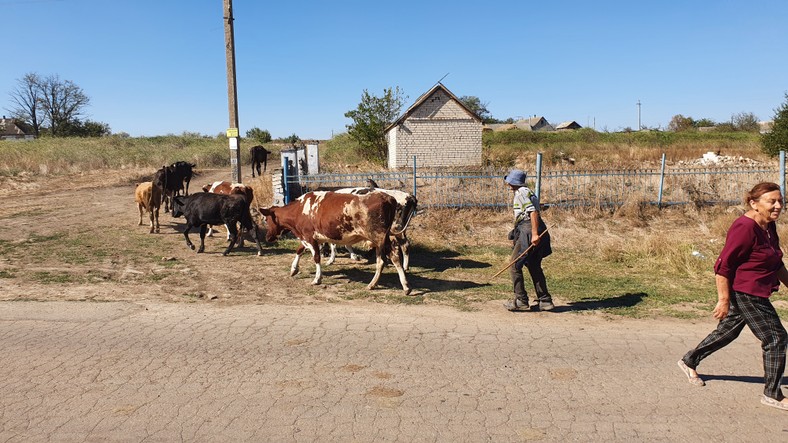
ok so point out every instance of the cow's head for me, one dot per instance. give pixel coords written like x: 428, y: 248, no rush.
x: 273, y: 228
x: 177, y: 206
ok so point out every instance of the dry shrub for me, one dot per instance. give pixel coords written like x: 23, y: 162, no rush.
x: 461, y: 227
x: 637, y: 210
x: 263, y: 190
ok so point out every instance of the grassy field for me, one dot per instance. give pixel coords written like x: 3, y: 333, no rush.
x: 632, y: 261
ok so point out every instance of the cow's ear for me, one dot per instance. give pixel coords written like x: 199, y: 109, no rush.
x: 265, y: 211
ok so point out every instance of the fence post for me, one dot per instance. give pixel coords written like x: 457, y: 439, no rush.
x: 284, y: 180
x: 414, y: 175
x: 782, y: 174
x: 661, y: 182
x: 539, y: 175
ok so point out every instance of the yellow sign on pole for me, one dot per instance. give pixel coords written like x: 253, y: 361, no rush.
x: 232, y: 133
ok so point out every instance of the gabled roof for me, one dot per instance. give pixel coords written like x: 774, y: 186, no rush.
x: 424, y: 97
x: 9, y: 127
x: 568, y: 125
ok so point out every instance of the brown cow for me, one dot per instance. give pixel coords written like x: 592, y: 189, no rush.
x: 148, y: 198
x: 343, y: 219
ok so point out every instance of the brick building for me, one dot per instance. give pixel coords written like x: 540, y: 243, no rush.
x: 438, y: 130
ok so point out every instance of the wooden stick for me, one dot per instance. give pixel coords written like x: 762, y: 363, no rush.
x: 528, y: 249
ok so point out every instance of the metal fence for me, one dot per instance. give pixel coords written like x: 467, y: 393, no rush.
x: 560, y: 187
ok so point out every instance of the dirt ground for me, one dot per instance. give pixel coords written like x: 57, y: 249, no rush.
x: 77, y: 238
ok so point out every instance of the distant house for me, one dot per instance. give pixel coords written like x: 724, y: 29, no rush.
x: 12, y: 129
x: 764, y: 127
x: 535, y: 123
x: 439, y: 130
x: 567, y: 126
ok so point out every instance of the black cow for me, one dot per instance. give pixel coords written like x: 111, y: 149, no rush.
x: 259, y: 157
x: 171, y: 180
x: 206, y: 208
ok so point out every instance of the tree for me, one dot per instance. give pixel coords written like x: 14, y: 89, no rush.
x: 48, y: 101
x: 745, y: 121
x: 478, y: 107
x: 259, y: 135
x: 776, y: 140
x: 680, y: 123
x: 25, y: 99
x: 370, y: 120
x: 62, y: 102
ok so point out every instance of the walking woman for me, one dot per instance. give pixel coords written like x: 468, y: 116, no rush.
x: 748, y: 270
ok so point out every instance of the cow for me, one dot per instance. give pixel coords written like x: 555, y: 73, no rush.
x: 228, y: 188
x: 406, y: 208
x: 344, y: 219
x: 206, y: 208
x: 259, y: 157
x: 148, y: 198
x: 171, y: 180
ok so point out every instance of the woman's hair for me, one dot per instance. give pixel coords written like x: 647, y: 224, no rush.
x: 758, y: 190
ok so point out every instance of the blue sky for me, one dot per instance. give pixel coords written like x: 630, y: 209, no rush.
x: 156, y: 67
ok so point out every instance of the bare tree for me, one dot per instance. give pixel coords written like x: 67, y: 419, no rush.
x: 25, y: 99
x: 61, y: 101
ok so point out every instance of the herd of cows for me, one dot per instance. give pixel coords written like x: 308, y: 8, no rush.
x: 347, y: 216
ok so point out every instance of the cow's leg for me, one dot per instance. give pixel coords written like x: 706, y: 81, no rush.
x: 142, y: 211
x: 258, y: 169
x: 333, y: 255
x: 252, y: 168
x: 156, y: 217
x: 256, y: 235
x: 314, y: 248
x: 232, y: 231
x: 378, y: 266
x: 353, y: 255
x: 394, y: 256
x: 210, y: 231
x: 186, y: 234
x: 403, y: 241
x: 203, y: 230
x: 152, y: 224
x: 294, y: 265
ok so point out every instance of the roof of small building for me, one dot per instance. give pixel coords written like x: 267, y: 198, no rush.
x: 424, y: 97
x: 568, y: 125
x: 9, y: 127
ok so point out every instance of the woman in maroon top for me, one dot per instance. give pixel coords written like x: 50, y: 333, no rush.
x: 748, y: 270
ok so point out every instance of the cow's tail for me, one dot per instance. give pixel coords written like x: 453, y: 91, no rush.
x: 408, y: 211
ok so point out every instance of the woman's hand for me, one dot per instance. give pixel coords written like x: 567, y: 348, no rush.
x: 721, y: 310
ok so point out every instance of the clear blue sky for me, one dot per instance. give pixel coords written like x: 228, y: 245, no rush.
x: 155, y: 67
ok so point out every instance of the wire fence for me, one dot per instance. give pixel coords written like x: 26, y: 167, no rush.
x: 705, y: 185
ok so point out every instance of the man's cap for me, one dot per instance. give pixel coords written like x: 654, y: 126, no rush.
x: 515, y: 177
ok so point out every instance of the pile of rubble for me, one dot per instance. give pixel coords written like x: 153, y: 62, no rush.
x: 715, y: 159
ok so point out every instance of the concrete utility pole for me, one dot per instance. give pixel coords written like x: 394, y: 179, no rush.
x: 639, y: 126
x: 232, y: 93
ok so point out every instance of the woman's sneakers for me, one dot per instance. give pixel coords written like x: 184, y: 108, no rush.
x: 768, y: 401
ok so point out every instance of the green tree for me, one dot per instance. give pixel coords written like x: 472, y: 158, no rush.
x: 478, y: 107
x: 680, y: 123
x: 776, y: 140
x: 259, y: 135
x: 370, y: 120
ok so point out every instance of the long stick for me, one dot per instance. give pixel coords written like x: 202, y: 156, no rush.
x: 528, y: 249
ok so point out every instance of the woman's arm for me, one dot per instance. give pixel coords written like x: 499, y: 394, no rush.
x: 723, y: 296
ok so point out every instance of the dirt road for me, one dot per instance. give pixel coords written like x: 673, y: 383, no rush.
x: 210, y: 348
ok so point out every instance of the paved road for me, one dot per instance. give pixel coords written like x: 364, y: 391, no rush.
x: 78, y: 371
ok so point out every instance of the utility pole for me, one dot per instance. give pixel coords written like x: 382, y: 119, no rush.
x: 639, y: 126
x: 232, y: 93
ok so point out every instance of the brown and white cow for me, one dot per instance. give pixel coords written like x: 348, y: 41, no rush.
x: 406, y: 208
x: 228, y: 188
x: 148, y: 198
x: 342, y: 219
